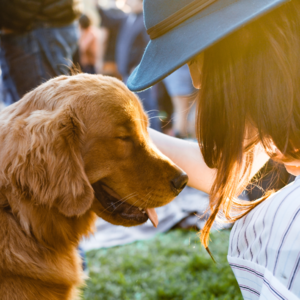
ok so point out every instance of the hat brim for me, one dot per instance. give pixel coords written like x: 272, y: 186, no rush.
x: 167, y: 53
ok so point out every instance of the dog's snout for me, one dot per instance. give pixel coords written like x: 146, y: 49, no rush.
x: 179, y: 182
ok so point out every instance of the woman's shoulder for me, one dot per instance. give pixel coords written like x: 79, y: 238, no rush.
x: 275, y: 220
x: 266, y: 241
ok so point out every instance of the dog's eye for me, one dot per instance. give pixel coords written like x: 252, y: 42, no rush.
x: 124, y: 138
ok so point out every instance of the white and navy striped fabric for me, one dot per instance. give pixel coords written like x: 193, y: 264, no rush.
x: 264, y: 249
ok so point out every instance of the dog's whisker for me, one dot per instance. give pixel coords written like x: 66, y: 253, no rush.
x: 147, y: 199
x: 167, y: 123
x: 152, y: 110
x: 134, y: 203
x: 144, y: 198
x: 125, y: 200
x: 154, y: 117
x: 128, y: 196
x: 120, y: 201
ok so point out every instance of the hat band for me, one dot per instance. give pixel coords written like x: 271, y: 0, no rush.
x: 177, y: 18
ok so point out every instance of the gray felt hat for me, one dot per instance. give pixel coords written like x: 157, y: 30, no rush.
x: 180, y: 29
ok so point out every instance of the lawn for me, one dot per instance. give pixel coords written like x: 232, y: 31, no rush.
x: 171, y: 266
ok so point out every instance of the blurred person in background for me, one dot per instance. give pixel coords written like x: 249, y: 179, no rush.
x: 131, y: 41
x: 180, y: 88
x: 38, y: 39
x: 87, y: 45
x: 109, y: 28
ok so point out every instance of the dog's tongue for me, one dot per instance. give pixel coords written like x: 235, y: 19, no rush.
x: 152, y: 216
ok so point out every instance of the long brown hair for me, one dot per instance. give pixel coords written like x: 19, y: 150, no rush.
x: 250, y: 88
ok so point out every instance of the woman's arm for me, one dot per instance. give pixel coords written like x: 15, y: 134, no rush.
x: 188, y: 157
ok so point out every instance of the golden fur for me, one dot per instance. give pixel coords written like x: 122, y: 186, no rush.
x: 60, y: 145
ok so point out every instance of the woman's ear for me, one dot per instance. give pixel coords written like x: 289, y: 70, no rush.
x: 47, y: 166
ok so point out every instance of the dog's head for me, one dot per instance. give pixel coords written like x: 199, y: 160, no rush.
x: 79, y: 143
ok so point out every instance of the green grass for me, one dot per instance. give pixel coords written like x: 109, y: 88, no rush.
x: 171, y: 266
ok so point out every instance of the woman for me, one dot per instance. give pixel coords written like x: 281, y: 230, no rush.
x: 244, y: 58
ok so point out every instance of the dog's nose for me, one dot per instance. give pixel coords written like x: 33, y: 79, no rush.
x: 178, y: 183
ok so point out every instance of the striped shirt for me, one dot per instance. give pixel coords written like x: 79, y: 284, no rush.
x: 264, y: 249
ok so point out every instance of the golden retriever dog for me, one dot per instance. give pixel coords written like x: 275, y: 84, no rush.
x: 73, y: 148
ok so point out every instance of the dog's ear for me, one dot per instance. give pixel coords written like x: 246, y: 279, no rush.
x: 46, y: 165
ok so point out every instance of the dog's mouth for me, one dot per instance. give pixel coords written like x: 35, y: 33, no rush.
x: 114, y: 205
